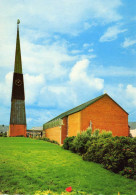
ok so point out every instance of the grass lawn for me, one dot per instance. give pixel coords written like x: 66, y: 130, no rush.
x: 29, y: 165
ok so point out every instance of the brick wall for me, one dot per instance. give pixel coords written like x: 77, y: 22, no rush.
x: 105, y: 114
x: 74, y: 124
x: 17, y: 130
x: 64, y: 129
x: 54, y: 134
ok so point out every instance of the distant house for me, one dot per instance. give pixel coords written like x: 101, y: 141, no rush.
x: 34, y: 132
x: 132, y: 128
x: 3, y: 129
x: 100, y: 113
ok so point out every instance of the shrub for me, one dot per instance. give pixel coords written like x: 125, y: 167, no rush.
x: 117, y: 154
x: 54, y: 142
x: 89, y: 131
x: 105, y: 134
x: 80, y: 141
x: 48, y: 140
x: 67, y: 145
x: 3, y: 134
x: 96, y: 133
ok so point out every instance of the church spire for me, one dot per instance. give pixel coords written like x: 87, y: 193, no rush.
x: 18, y: 62
x: 17, y: 125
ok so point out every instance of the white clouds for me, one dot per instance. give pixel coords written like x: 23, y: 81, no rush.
x: 46, y: 59
x: 33, y: 85
x: 73, y: 15
x: 58, y: 90
x: 79, y: 75
x: 106, y: 10
x: 131, y: 93
x: 79, y: 70
x: 128, y: 42
x: 5, y: 88
x: 112, y: 33
x: 59, y: 71
x: 61, y: 16
x: 38, y: 116
x: 67, y: 93
x: 113, y: 71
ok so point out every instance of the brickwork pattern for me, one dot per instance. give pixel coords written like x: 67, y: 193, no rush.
x: 105, y: 114
x: 64, y: 129
x: 74, y: 124
x: 17, y: 130
x: 54, y: 134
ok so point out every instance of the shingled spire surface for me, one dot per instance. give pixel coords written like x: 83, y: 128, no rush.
x: 18, y: 62
x: 17, y: 114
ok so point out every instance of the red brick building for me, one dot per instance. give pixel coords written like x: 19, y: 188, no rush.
x: 100, y: 113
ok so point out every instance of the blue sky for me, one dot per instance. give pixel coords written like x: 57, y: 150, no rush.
x: 72, y: 51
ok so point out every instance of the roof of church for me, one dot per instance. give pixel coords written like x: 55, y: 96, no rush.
x: 18, y: 62
x: 81, y: 107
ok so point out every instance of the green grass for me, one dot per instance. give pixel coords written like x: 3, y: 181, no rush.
x: 29, y: 165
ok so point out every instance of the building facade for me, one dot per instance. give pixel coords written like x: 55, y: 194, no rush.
x: 17, y: 125
x: 34, y: 132
x: 101, y: 113
x: 4, y: 130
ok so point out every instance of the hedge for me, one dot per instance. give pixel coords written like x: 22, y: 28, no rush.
x: 117, y: 154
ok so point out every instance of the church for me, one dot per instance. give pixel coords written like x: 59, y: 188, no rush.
x: 101, y: 113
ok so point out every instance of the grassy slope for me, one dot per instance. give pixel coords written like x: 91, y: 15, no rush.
x: 30, y: 165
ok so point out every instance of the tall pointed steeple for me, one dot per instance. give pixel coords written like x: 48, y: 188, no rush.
x: 17, y: 114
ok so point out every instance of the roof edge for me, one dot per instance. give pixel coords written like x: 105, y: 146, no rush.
x: 86, y: 104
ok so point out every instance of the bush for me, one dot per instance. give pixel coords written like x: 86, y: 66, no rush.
x: 96, y: 133
x: 67, y: 145
x: 3, y: 134
x: 79, y: 143
x: 117, y: 154
x: 54, y: 142
x: 105, y: 134
x: 45, y: 139
x: 48, y: 140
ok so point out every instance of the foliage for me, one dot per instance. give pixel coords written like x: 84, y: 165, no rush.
x: 67, y: 145
x: 48, y: 140
x: 3, y: 134
x: 105, y: 134
x: 79, y: 143
x: 96, y: 133
x: 117, y: 154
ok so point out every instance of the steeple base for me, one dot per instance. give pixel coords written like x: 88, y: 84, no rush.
x: 17, y: 130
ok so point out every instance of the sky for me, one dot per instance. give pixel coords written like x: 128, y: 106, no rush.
x: 72, y: 51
